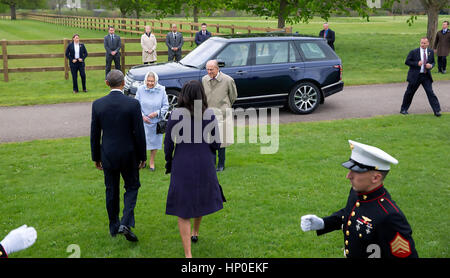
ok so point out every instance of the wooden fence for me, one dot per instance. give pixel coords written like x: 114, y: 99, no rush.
x: 64, y: 62
x: 136, y: 26
x: 122, y: 25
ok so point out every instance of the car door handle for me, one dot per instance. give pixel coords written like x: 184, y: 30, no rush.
x: 293, y: 68
x: 240, y: 72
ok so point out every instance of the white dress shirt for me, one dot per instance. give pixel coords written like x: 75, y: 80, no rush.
x: 422, y: 53
x: 76, y: 46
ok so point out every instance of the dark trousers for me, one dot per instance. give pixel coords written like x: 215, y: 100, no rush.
x: 412, y: 88
x: 221, y: 154
x: 442, y: 63
x: 112, y: 183
x: 109, y: 59
x: 74, y: 69
x: 171, y: 55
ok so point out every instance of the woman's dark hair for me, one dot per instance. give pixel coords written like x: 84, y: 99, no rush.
x: 75, y: 35
x: 191, y: 91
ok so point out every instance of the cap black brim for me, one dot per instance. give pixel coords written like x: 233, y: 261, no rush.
x: 351, y: 165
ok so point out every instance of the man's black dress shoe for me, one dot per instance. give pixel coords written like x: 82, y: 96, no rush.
x: 129, y: 235
x: 437, y: 114
x: 194, y: 239
x: 220, y: 168
x: 404, y: 112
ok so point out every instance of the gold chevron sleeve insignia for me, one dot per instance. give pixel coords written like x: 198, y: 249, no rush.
x: 400, y: 247
x: 367, y: 219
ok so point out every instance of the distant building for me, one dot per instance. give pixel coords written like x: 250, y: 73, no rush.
x: 74, y: 4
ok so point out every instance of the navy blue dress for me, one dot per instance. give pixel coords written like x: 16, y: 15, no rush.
x: 194, y: 189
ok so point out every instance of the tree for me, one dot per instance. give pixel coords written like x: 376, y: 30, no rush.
x: 127, y: 7
x: 24, y: 4
x: 294, y: 11
x: 432, y: 8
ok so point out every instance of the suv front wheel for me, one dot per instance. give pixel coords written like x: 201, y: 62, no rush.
x: 304, y: 98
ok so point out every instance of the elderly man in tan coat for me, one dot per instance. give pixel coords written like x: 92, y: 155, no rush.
x: 442, y: 47
x: 221, y: 93
x: 148, y: 43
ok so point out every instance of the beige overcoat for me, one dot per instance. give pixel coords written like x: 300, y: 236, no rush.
x: 148, y: 44
x: 221, y: 93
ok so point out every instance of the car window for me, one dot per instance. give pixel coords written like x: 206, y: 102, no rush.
x: 200, y: 55
x: 293, y: 54
x: 314, y: 51
x: 271, y: 52
x: 235, y: 54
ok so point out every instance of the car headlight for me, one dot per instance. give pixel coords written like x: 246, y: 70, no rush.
x: 137, y: 83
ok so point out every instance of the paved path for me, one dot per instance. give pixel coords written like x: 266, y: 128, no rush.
x: 24, y: 123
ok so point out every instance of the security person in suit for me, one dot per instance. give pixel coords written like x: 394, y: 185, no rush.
x: 118, y: 147
x: 202, y: 35
x: 373, y: 225
x: 327, y: 34
x: 76, y: 53
x: 420, y: 62
x: 174, y: 42
x: 112, y: 44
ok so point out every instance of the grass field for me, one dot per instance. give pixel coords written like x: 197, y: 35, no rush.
x: 53, y: 186
x: 372, y: 52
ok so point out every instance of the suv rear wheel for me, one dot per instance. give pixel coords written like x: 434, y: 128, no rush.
x: 172, y: 97
x: 304, y: 98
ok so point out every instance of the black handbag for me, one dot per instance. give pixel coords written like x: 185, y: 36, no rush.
x: 161, y: 125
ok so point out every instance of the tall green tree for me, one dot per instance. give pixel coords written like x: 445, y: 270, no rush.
x: 294, y: 11
x: 432, y: 8
x: 127, y: 7
x: 22, y: 4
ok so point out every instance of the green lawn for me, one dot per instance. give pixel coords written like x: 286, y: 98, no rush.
x: 372, y: 52
x: 53, y: 186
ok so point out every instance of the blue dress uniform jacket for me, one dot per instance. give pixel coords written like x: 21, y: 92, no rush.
x: 373, y: 226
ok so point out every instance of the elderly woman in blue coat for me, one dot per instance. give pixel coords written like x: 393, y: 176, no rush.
x: 154, y: 105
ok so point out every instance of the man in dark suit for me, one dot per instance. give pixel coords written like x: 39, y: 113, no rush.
x: 118, y: 147
x: 327, y: 34
x: 174, y: 42
x: 420, y: 62
x: 76, y: 53
x: 202, y: 35
x: 112, y: 45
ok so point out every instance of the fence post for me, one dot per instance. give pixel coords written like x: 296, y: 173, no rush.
x: 122, y: 55
x: 66, y: 65
x: 5, y: 60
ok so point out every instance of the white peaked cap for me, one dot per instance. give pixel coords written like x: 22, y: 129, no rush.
x: 365, y: 158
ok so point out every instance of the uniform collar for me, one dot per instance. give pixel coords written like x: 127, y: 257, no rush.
x: 372, y: 195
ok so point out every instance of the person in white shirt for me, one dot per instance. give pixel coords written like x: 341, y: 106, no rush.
x: 76, y: 53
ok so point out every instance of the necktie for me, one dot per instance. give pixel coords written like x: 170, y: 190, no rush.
x: 424, y: 61
x: 112, y: 38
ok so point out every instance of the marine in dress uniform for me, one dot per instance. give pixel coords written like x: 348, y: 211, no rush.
x: 372, y: 224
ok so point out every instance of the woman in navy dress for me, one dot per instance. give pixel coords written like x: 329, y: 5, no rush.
x: 189, y: 145
x: 154, y: 105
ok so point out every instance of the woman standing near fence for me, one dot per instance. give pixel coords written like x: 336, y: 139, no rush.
x: 154, y: 105
x: 148, y: 43
x: 76, y: 53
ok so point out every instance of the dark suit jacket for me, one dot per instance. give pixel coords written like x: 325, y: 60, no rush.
x: 170, y: 42
x: 114, y: 45
x: 199, y: 37
x: 412, y: 61
x: 330, y: 37
x: 117, y: 132
x: 70, y: 52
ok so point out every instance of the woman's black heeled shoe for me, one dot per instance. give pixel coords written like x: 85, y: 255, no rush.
x: 194, y: 239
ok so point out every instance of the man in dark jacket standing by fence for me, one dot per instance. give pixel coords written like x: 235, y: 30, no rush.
x: 112, y: 45
x: 202, y: 35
